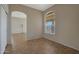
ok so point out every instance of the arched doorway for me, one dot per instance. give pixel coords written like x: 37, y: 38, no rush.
x: 18, y: 28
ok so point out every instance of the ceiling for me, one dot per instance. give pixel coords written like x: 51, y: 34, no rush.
x: 41, y: 7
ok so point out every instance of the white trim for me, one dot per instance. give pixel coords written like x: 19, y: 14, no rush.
x: 45, y: 21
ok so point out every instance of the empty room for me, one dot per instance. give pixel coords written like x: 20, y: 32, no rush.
x: 39, y: 28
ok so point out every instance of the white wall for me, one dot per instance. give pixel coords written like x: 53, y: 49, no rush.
x: 3, y: 27
x: 0, y: 29
x: 19, y: 25
x: 67, y: 25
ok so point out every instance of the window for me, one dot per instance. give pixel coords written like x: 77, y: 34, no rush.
x: 49, y: 23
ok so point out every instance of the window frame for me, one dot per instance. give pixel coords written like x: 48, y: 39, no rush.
x: 53, y: 13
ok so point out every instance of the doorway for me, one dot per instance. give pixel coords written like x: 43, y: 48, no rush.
x: 18, y: 29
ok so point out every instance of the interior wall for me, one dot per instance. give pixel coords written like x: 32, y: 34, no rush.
x: 34, y: 20
x: 67, y: 25
x: 8, y: 26
x: 3, y: 27
x: 0, y: 31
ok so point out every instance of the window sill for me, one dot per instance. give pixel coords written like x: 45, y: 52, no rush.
x: 50, y: 33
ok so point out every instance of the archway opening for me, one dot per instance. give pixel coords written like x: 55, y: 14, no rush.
x: 18, y: 28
